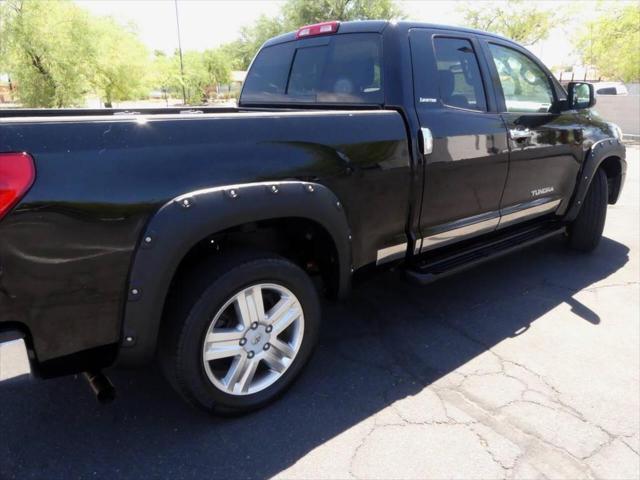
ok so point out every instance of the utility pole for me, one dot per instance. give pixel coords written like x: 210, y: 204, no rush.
x: 184, y: 92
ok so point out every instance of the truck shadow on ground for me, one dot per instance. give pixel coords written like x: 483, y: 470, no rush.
x: 389, y: 340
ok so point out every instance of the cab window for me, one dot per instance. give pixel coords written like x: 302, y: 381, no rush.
x: 458, y: 74
x: 525, y: 85
x: 347, y: 69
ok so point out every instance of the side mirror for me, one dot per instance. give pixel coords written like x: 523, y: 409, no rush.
x: 580, y: 95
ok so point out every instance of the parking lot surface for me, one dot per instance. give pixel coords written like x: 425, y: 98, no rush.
x: 524, y: 367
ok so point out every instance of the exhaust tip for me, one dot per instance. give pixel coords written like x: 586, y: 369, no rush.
x: 101, y: 386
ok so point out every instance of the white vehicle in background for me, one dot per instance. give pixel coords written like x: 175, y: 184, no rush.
x: 610, y: 88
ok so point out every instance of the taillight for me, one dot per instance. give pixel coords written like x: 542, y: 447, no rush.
x: 17, y: 174
x: 323, y: 28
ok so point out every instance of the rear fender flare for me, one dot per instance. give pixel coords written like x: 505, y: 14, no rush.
x: 599, y: 151
x: 192, y: 217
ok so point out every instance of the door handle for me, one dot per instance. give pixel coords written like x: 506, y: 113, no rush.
x: 520, y: 133
x: 427, y: 140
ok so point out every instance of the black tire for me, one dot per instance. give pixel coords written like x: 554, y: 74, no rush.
x: 585, y: 231
x: 203, y: 292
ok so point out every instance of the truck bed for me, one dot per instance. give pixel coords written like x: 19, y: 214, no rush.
x: 66, y: 250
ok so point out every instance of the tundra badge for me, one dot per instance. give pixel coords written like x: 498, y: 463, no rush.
x: 541, y: 191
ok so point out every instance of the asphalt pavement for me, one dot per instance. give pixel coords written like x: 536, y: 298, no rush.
x: 524, y: 367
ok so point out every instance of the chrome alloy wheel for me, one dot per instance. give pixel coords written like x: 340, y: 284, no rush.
x: 253, y: 339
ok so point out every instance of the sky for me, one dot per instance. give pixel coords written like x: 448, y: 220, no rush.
x: 209, y: 23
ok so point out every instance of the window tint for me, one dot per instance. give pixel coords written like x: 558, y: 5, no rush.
x: 306, y: 71
x: 525, y: 85
x: 270, y: 69
x: 458, y: 74
x: 345, y: 70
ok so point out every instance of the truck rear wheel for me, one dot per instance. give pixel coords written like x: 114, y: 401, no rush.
x: 586, y: 230
x: 239, y: 332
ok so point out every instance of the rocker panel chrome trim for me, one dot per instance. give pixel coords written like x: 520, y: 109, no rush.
x: 470, y: 227
x: 524, y: 211
x: 487, y: 222
x: 391, y: 253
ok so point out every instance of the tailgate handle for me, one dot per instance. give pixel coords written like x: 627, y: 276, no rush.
x: 426, y: 140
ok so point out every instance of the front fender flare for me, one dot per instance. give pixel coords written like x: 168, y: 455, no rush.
x: 599, y: 151
x: 190, y: 218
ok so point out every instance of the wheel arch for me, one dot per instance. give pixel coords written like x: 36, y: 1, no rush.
x: 608, y: 154
x: 188, y: 220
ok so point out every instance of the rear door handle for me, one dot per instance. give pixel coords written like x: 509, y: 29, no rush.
x: 427, y: 140
x: 520, y: 133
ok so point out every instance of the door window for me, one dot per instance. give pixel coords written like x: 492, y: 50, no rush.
x: 525, y: 85
x: 458, y: 74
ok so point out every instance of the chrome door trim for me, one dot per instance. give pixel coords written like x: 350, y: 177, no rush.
x: 527, y: 210
x: 461, y: 229
x: 391, y: 253
x: 471, y: 226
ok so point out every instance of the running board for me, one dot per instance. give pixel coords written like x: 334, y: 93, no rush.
x: 434, y: 268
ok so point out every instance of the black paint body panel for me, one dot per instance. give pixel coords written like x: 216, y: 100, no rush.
x: 66, y: 251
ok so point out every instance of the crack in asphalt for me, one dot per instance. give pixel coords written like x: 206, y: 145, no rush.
x: 623, y: 439
x: 489, y: 416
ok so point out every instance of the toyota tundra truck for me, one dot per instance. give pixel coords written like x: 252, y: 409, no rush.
x: 203, y: 239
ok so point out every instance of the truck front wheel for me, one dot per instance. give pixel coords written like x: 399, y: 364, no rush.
x: 240, y: 331
x: 585, y: 231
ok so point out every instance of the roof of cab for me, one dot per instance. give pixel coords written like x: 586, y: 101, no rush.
x: 378, y: 26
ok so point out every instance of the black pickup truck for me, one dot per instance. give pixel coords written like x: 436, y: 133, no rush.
x: 203, y: 239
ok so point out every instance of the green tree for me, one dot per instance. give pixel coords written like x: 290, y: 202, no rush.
x: 514, y: 19
x: 216, y: 63
x: 303, y: 12
x: 203, y: 71
x: 612, y: 43
x: 164, y: 73
x: 44, y: 47
x: 296, y: 13
x: 120, y: 62
x: 57, y: 53
x: 195, y: 77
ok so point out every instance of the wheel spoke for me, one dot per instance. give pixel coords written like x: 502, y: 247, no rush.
x: 236, y: 371
x: 249, y: 306
x: 274, y: 361
x: 283, y: 348
x: 218, y: 350
x: 222, y: 343
x: 283, y: 314
x: 223, y: 335
x: 247, y: 377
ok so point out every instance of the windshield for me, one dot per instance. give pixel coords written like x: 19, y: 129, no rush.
x: 343, y: 69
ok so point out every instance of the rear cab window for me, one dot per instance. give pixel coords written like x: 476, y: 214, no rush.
x: 344, y: 69
x: 459, y: 78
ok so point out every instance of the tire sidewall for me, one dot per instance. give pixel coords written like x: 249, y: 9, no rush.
x: 190, y: 366
x: 585, y: 232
